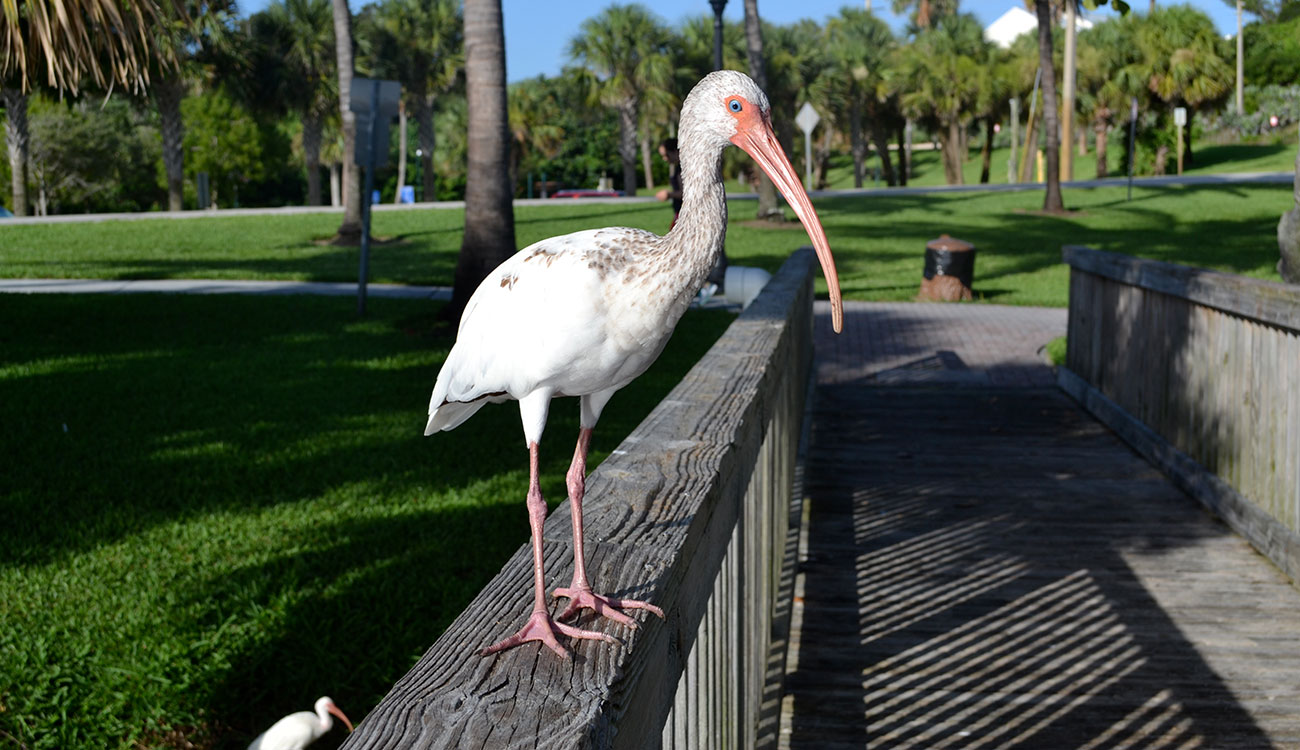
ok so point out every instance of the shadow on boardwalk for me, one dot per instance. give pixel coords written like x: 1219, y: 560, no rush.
x: 990, y: 567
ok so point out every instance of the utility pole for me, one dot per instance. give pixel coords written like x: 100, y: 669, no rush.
x: 718, y: 6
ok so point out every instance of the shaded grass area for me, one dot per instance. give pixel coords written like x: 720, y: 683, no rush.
x: 878, y: 241
x: 218, y: 509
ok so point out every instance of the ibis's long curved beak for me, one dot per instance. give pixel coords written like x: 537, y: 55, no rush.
x: 758, y: 140
x: 339, y: 713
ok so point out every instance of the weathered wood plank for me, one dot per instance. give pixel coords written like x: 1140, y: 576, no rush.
x: 1098, y: 607
x: 1265, y: 301
x: 659, y: 512
x: 1203, y: 360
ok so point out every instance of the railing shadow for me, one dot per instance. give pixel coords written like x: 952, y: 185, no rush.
x: 970, y: 582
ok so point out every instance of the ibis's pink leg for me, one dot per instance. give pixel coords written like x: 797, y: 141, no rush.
x: 540, y: 626
x: 579, y: 592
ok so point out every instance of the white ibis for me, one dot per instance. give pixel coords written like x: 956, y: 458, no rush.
x: 298, y: 730
x: 585, y: 313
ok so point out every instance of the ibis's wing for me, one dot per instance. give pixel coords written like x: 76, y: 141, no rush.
x: 535, y: 320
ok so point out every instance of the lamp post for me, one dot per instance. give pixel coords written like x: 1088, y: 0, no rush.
x: 718, y: 6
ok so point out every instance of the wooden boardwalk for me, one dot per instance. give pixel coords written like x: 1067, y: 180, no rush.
x: 986, y: 566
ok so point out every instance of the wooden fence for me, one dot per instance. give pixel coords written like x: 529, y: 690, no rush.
x: 693, y: 513
x: 1200, y: 372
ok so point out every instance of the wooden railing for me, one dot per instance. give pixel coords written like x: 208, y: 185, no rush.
x: 1200, y: 372
x: 693, y: 513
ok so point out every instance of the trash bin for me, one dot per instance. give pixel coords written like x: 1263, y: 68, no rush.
x: 949, y: 270
x: 407, y: 194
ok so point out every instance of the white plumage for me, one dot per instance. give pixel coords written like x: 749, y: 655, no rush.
x: 298, y: 730
x: 585, y: 313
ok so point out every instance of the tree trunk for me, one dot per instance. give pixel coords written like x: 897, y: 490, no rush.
x: 1101, y: 129
x: 311, y: 138
x: 168, y: 94
x: 1162, y: 156
x: 1067, y: 86
x: 822, y: 157
x: 645, y: 159
x: 1288, y: 235
x: 16, y: 138
x: 856, y: 144
x: 335, y: 180
x: 424, y: 130
x: 489, y: 212
x: 401, y: 151
x: 627, y: 144
x: 1051, y: 128
x: 768, y: 208
x: 904, y: 156
x: 880, y: 139
x: 350, y: 230
x: 952, y: 156
x: 986, y: 154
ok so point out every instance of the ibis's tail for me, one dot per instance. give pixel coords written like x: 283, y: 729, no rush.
x: 446, y: 416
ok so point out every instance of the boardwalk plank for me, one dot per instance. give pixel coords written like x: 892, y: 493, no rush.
x: 990, y: 568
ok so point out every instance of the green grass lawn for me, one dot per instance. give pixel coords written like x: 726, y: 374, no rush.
x: 218, y: 509
x: 1268, y: 155
x: 878, y: 241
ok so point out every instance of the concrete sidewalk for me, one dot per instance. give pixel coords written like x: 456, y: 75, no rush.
x: 205, y: 286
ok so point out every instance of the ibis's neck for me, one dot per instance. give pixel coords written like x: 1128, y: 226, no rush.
x: 696, y: 239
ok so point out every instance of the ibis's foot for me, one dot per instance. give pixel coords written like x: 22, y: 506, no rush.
x: 607, y: 606
x: 540, y: 627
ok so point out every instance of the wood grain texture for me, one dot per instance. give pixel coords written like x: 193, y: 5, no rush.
x: 1199, y: 371
x: 660, y: 515
x: 1265, y: 301
x: 992, y: 568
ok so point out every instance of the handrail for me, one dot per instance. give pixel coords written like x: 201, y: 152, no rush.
x: 690, y: 513
x: 1200, y: 371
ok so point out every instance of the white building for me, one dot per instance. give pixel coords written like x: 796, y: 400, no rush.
x: 1017, y: 21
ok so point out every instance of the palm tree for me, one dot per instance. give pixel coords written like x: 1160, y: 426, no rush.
x: 197, y: 47
x: 108, y: 42
x: 1106, y: 53
x: 536, y: 112
x: 927, y: 13
x: 489, y: 214
x: 626, y: 49
x: 859, y: 45
x: 767, y: 205
x: 937, y: 80
x: 421, y: 44
x: 349, y: 232
x: 1182, y: 61
x: 296, y: 42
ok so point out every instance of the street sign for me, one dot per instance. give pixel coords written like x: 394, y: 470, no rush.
x: 807, y: 119
x: 1180, y: 116
x: 375, y: 104
x: 384, y: 95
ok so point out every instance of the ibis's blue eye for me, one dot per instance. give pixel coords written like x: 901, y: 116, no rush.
x: 734, y: 104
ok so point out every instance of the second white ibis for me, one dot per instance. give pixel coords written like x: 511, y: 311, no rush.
x: 584, y: 314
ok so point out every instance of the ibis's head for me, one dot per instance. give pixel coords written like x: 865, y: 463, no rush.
x: 728, y: 107
x: 325, y: 704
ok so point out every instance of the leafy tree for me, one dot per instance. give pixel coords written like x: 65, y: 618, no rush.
x: 91, y: 156
x: 859, y: 46
x: 937, y: 80
x: 489, y: 213
x: 420, y: 43
x: 1181, y: 60
x: 224, y: 141
x: 626, y: 49
x: 105, y: 42
x: 294, y: 72
x: 1272, y: 54
x: 1107, y: 53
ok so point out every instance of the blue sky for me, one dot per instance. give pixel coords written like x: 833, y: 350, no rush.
x: 537, y: 33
